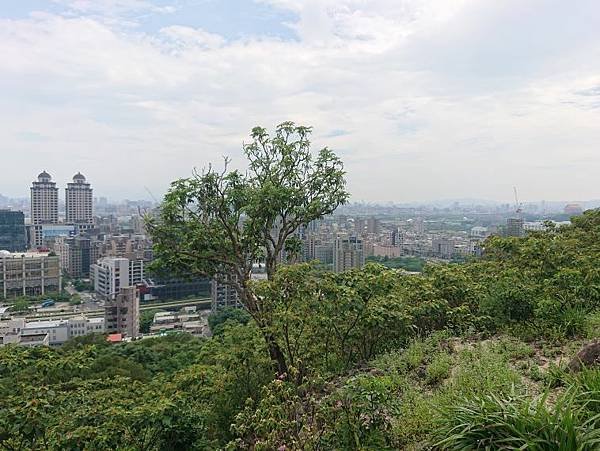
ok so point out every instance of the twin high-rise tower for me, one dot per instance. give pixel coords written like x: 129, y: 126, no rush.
x: 78, y: 197
x: 44, y: 200
x: 44, y: 205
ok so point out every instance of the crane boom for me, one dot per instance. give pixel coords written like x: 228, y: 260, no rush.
x: 150, y: 192
x: 518, y: 206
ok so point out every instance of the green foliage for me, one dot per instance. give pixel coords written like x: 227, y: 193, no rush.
x: 82, y: 285
x: 468, y: 356
x: 174, y: 392
x: 218, y: 224
x: 408, y: 263
x: 516, y: 422
x: 20, y: 305
x: 75, y: 300
x: 439, y: 368
x: 591, y: 325
x: 147, y: 318
x: 217, y: 320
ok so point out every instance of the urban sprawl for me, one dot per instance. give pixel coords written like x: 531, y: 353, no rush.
x: 80, y: 267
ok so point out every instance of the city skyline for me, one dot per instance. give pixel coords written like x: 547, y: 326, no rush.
x: 148, y: 196
x: 422, y: 99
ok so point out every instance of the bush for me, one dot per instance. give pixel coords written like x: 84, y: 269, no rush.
x: 218, y: 319
x: 147, y: 318
x: 509, y: 299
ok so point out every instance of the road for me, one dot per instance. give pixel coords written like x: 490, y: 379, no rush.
x: 201, y: 303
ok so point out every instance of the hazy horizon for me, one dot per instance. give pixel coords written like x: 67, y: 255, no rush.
x: 422, y: 99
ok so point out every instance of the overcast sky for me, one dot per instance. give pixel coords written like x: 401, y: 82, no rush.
x: 423, y: 99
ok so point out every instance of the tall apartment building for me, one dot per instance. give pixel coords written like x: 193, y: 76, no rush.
x: 359, y: 226
x: 514, y: 227
x: 111, y: 274
x: 12, y: 231
x: 29, y: 274
x: 223, y: 295
x: 373, y: 225
x: 44, y: 206
x: 443, y: 247
x: 348, y: 253
x: 419, y: 226
x: 122, y: 314
x: 79, y: 201
x: 316, y: 248
x: 396, y: 237
x: 77, y: 255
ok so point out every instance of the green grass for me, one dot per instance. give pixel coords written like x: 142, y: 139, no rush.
x: 591, y: 326
x: 439, y: 368
x: 516, y: 422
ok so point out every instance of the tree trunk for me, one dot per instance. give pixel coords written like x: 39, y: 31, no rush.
x: 276, y: 355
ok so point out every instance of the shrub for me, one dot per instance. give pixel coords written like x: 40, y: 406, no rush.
x: 509, y: 299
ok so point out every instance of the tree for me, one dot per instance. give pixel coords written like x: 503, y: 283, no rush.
x: 147, y: 318
x: 217, y: 224
x: 217, y: 320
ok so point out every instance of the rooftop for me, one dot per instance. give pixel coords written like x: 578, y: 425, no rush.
x: 115, y: 338
x: 44, y: 324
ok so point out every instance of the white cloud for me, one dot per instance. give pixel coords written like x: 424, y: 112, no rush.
x: 422, y: 98
x: 114, y: 7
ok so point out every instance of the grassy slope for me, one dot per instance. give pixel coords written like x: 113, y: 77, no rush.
x: 434, y: 376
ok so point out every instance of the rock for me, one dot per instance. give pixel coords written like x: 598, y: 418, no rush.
x: 588, y: 356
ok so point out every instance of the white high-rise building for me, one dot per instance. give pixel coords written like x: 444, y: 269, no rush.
x: 44, y: 206
x: 78, y: 201
x: 111, y: 274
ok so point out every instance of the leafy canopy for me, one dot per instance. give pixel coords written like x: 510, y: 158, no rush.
x: 218, y: 223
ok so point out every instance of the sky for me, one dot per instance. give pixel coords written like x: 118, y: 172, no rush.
x: 422, y: 99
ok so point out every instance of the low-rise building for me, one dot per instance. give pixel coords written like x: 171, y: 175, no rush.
x: 29, y: 274
x: 47, y: 332
x: 34, y: 339
x: 57, y: 330
x: 386, y: 251
x: 81, y: 325
x: 184, y: 321
x: 173, y: 288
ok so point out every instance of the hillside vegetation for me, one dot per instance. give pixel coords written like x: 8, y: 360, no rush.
x: 460, y: 357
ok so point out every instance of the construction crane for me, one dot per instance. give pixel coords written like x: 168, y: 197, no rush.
x: 154, y: 198
x: 518, y: 205
x: 140, y: 213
